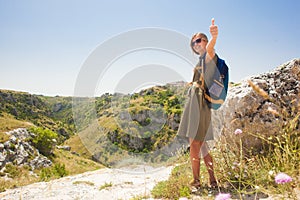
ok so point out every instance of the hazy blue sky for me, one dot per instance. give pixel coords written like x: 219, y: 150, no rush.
x: 43, y: 43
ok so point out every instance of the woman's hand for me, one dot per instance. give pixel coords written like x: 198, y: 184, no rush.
x: 210, y: 48
x: 213, y: 29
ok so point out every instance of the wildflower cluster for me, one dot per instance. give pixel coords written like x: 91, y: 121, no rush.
x: 282, y: 178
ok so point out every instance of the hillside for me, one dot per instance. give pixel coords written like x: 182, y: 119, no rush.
x: 118, y: 127
x: 54, y: 113
x: 257, y: 129
x: 130, y: 125
x: 136, y: 123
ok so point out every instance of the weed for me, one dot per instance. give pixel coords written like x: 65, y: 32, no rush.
x: 106, y: 185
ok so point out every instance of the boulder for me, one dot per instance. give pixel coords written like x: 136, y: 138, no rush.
x: 66, y: 148
x: 40, y: 162
x: 262, y: 109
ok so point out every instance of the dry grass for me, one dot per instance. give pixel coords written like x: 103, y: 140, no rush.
x: 76, y: 145
x: 73, y: 163
x: 108, y: 123
x: 8, y: 123
x: 258, y: 90
x: 21, y: 177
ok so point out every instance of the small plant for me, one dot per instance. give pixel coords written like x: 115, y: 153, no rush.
x: 106, y: 185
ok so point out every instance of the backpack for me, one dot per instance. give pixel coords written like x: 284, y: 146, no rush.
x: 216, y: 83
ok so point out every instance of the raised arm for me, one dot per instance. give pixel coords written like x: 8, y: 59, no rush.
x: 210, y: 48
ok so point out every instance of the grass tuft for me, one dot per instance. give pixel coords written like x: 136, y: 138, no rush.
x: 105, y: 186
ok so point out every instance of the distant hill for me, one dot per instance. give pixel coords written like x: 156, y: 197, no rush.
x: 126, y: 119
x: 54, y: 113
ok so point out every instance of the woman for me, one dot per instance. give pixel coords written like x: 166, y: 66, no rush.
x: 196, y: 120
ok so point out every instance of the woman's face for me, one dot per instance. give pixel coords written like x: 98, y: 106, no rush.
x: 199, y: 44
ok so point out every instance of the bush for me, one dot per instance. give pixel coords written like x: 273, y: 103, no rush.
x: 57, y: 171
x: 44, y: 140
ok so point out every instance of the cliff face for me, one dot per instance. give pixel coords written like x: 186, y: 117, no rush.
x: 264, y: 113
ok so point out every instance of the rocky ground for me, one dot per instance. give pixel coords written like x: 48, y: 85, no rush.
x: 100, y: 184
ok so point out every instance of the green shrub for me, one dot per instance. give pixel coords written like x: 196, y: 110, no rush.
x: 60, y: 170
x: 45, y: 174
x: 56, y: 171
x: 44, y: 140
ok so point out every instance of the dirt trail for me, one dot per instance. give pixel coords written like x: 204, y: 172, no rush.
x: 117, y: 184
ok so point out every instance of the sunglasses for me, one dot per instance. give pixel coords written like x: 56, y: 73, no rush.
x: 197, y: 41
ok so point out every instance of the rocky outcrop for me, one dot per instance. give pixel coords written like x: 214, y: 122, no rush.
x: 18, y: 150
x: 263, y: 113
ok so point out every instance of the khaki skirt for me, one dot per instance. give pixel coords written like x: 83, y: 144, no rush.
x: 196, y: 117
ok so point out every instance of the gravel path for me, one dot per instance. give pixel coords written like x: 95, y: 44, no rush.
x: 117, y: 184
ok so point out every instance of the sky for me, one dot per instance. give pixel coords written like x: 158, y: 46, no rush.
x: 44, y: 45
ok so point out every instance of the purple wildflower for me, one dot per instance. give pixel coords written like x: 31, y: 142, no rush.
x: 238, y: 131
x: 223, y: 196
x: 282, y: 178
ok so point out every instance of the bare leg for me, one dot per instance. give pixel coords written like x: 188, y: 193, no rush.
x: 194, y: 156
x: 209, y: 164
